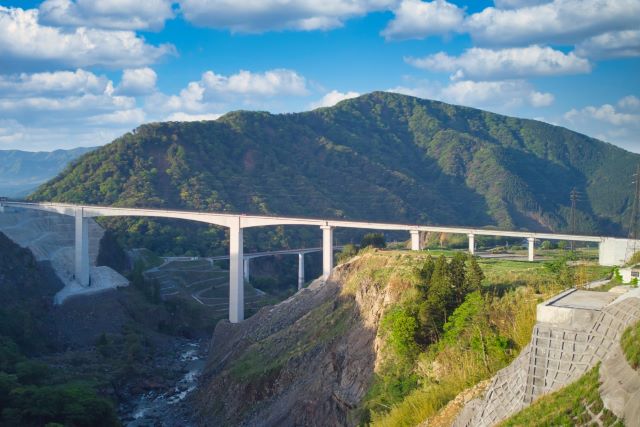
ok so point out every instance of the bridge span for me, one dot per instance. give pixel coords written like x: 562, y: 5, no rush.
x: 610, y: 248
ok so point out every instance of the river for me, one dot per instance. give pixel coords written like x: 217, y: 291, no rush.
x: 169, y: 408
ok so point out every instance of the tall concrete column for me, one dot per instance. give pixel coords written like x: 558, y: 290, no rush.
x: 300, y: 270
x: 415, y: 240
x: 531, y: 241
x: 472, y: 243
x: 236, y: 276
x: 327, y: 251
x: 247, y: 266
x: 82, y: 248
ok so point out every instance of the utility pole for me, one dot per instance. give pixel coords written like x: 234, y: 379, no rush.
x: 633, y: 221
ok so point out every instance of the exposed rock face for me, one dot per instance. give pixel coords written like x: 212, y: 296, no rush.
x: 306, y: 361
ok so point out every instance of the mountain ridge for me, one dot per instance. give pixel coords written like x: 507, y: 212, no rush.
x: 381, y: 156
x: 21, y: 172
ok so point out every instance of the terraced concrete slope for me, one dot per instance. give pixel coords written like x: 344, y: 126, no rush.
x: 51, y: 238
x: 575, y: 331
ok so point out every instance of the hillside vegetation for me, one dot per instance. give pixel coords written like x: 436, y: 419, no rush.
x: 381, y: 156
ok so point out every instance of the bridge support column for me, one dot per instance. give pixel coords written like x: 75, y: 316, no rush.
x: 415, y: 240
x: 531, y: 241
x: 472, y: 243
x: 247, y: 266
x: 300, y: 270
x: 327, y: 251
x: 236, y: 276
x: 82, y: 248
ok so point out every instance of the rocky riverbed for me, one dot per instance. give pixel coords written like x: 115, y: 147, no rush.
x: 168, y: 405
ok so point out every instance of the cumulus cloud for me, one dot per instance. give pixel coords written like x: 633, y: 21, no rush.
x: 616, y: 44
x: 559, y: 21
x: 515, y: 4
x: 618, y: 122
x: 332, y: 98
x: 415, y: 19
x: 25, y: 43
x: 488, y: 64
x: 215, y: 92
x: 108, y: 14
x: 266, y: 15
x: 499, y: 96
x: 269, y: 83
x: 137, y: 81
x: 53, y: 83
x: 133, y: 116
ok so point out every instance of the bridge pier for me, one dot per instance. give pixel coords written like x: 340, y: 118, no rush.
x: 472, y: 243
x: 247, y: 272
x: 300, y: 270
x: 531, y: 241
x: 327, y: 251
x: 415, y: 240
x: 81, y: 248
x: 236, y: 274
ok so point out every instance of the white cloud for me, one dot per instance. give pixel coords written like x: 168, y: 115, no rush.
x: 515, y: 4
x: 559, y: 21
x: 332, y: 98
x: 415, y: 19
x: 25, y: 43
x: 108, y: 14
x: 618, y: 123
x: 215, y: 92
x: 500, y: 96
x: 264, y: 15
x: 133, y: 116
x: 269, y: 83
x: 186, y: 117
x: 137, y: 81
x: 616, y: 44
x: 53, y: 83
x: 487, y: 64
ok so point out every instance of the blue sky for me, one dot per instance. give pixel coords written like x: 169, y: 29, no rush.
x: 82, y: 72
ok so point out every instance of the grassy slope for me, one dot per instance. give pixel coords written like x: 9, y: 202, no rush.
x: 630, y: 343
x: 575, y: 404
x: 503, y: 319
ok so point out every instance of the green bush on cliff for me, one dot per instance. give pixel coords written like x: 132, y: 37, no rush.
x: 630, y: 343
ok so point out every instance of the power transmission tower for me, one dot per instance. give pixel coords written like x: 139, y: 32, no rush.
x: 632, y: 243
x: 574, y: 196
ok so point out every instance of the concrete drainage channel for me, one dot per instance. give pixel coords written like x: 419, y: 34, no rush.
x: 575, y: 330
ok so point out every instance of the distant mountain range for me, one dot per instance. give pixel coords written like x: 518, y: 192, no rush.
x: 381, y: 156
x: 21, y: 172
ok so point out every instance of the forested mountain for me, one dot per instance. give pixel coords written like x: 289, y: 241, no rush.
x: 21, y: 172
x: 381, y: 156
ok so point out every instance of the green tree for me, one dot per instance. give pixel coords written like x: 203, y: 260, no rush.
x: 375, y: 240
x: 475, y: 275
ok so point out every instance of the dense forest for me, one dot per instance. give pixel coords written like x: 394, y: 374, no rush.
x: 381, y: 156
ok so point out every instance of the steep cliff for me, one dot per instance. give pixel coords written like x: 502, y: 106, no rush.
x: 306, y: 361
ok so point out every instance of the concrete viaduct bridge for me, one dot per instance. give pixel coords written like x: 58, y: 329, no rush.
x: 612, y: 250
